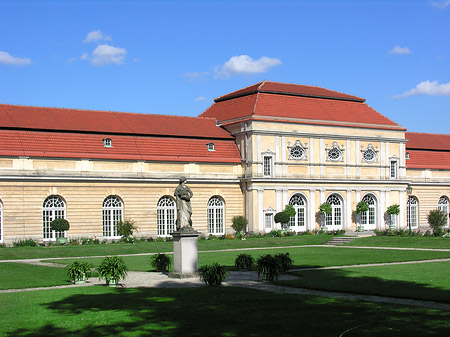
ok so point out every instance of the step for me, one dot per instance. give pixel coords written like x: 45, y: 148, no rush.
x: 340, y: 240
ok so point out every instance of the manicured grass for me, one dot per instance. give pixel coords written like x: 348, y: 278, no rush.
x: 21, y: 275
x: 11, y: 253
x: 402, y: 242
x: 423, y: 281
x: 206, y: 311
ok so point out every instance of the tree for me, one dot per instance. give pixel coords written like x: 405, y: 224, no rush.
x: 437, y: 219
x: 126, y: 228
x: 284, y: 216
x: 239, y: 224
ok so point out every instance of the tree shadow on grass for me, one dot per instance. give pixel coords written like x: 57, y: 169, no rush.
x: 225, y: 311
x: 353, y: 280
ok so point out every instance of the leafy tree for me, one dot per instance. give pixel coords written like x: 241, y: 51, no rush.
x: 437, y: 219
x: 239, y: 224
x: 325, y: 208
x: 361, y: 207
x: 282, y: 217
x: 126, y: 228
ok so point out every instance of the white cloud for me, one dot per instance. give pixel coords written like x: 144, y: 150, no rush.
x: 244, y: 64
x: 96, y: 36
x: 105, y: 54
x: 84, y: 56
x: 428, y: 88
x: 8, y: 59
x: 195, y: 76
x: 441, y: 4
x: 201, y: 98
x: 400, y: 50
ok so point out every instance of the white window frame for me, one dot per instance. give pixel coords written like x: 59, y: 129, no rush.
x: 210, y: 147
x: 337, y: 213
x: 1, y: 221
x: 166, y: 210
x: 216, y: 215
x: 369, y: 217
x: 393, y: 168
x: 107, y: 142
x: 443, y: 205
x: 412, y: 214
x: 268, y: 219
x: 54, y: 207
x: 112, y: 212
x: 298, y: 221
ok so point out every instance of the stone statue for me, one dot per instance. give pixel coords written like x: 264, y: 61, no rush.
x: 183, y: 195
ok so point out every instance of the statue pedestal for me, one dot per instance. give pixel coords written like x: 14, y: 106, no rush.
x: 185, y: 253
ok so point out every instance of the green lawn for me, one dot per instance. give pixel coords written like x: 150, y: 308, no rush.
x: 11, y: 253
x: 403, y: 242
x: 21, y: 275
x: 206, y: 311
x: 423, y: 281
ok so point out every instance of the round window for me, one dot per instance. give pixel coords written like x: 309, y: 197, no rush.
x: 369, y: 155
x: 334, y: 154
x: 297, y: 152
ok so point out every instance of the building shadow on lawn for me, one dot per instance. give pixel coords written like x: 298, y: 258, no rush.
x: 228, y: 311
x: 351, y: 281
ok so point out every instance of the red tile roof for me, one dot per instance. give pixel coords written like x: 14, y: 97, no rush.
x: 124, y: 147
x: 304, y: 103
x: 427, y: 141
x: 61, y: 119
x: 419, y: 159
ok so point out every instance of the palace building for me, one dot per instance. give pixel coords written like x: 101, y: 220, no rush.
x: 251, y: 153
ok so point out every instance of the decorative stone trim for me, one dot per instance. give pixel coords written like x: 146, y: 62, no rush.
x: 298, y: 151
x: 334, y: 152
x: 369, y: 154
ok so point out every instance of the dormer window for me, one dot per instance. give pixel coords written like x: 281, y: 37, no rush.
x: 107, y: 142
x: 210, y: 147
x: 407, y: 155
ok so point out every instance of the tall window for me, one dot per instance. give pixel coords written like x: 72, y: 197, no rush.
x: 267, y: 166
x: 1, y: 221
x: 298, y: 221
x: 411, y: 212
x: 334, y: 220
x: 443, y: 206
x: 368, y: 218
x: 216, y: 223
x: 166, y: 216
x: 394, y: 169
x: 112, y: 214
x: 54, y: 207
x: 268, y: 221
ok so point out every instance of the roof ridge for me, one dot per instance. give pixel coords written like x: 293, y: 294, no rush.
x: 429, y: 133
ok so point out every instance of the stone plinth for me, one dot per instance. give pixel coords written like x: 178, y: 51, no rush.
x: 185, y: 253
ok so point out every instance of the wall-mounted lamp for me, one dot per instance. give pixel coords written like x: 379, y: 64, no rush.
x: 409, y: 189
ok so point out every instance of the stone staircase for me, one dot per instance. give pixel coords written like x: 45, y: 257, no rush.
x: 340, y: 240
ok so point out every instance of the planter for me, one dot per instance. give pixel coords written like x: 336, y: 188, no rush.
x: 392, y: 227
x: 61, y: 241
x: 112, y: 282
x: 360, y: 228
x: 81, y: 279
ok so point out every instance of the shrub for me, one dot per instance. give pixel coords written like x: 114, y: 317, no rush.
x: 393, y: 209
x: 361, y: 207
x: 213, y: 274
x: 436, y: 220
x: 268, y: 267
x: 59, y: 225
x: 112, y: 269
x: 79, y: 271
x: 325, y: 208
x: 275, y: 234
x: 126, y: 228
x: 285, y: 261
x: 239, y: 224
x: 244, y: 261
x: 282, y: 217
x: 160, y: 262
x: 25, y: 243
x: 128, y: 239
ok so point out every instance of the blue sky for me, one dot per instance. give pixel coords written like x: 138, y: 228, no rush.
x: 175, y: 57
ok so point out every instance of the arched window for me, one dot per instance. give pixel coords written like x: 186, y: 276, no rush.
x: 334, y: 220
x: 1, y: 221
x: 443, y: 206
x: 166, y: 216
x: 411, y: 212
x: 298, y: 221
x: 54, y: 207
x: 216, y: 223
x: 369, y: 218
x: 112, y: 214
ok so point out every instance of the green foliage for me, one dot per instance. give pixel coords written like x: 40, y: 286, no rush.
x: 126, y: 228
x: 282, y: 217
x: 59, y: 225
x: 239, y: 223
x: 244, y: 261
x: 112, y: 268
x: 361, y: 207
x: 213, y: 274
x: 325, y: 208
x: 25, y: 243
x: 437, y: 219
x: 160, y: 262
x: 285, y: 261
x: 290, y: 210
x: 268, y: 267
x: 393, y: 209
x: 79, y: 271
x: 274, y: 234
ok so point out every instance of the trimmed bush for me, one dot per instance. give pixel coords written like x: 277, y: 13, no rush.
x: 213, y: 274
x: 59, y: 225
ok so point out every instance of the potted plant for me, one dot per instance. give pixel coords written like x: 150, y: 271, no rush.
x: 112, y: 269
x: 361, y: 207
x: 244, y: 262
x: 268, y: 267
x: 393, y: 211
x: 239, y: 225
x: 78, y: 272
x: 285, y: 261
x: 60, y: 225
x: 161, y: 262
x: 324, y: 209
x: 213, y: 274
